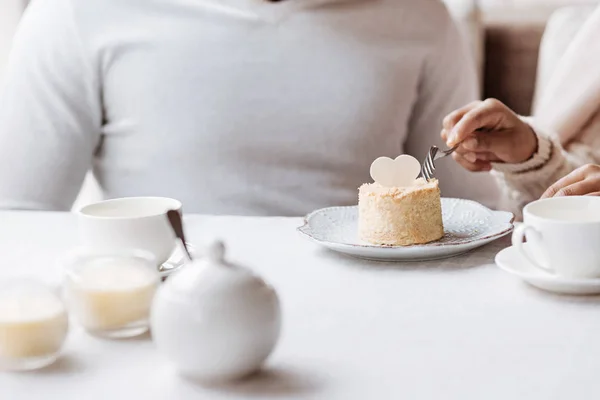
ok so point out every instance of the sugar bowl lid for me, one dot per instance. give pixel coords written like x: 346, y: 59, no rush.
x: 211, y: 277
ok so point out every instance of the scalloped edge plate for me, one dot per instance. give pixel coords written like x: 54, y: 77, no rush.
x: 336, y: 228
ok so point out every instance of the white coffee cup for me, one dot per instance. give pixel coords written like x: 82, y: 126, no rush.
x: 130, y: 223
x: 563, y: 236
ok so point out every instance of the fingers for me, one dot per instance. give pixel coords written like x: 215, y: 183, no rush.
x: 486, y: 156
x: 455, y: 116
x: 490, y: 143
x: 486, y: 132
x: 471, y: 164
x: 445, y: 133
x: 574, y: 177
x: 580, y: 188
x: 485, y: 116
x: 473, y: 155
x: 593, y: 194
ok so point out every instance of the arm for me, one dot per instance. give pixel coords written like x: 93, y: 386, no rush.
x: 50, y: 112
x: 448, y: 82
x: 525, y: 160
x: 527, y: 181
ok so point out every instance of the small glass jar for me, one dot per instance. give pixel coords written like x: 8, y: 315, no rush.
x: 33, y: 325
x: 110, y: 292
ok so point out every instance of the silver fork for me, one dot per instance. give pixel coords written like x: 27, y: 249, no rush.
x: 428, y: 166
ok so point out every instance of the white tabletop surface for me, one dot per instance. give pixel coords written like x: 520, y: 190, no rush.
x: 453, y: 329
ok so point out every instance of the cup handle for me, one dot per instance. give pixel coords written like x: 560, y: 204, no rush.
x: 517, y: 240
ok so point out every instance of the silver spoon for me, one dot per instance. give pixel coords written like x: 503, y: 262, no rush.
x: 177, y: 224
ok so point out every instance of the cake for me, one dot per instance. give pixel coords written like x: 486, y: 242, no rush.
x: 400, y: 216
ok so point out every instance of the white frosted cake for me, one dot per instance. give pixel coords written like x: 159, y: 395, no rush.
x: 400, y: 216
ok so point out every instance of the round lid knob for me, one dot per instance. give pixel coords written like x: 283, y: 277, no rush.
x: 216, y: 252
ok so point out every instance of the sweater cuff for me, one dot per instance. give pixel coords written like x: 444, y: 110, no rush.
x: 540, y: 158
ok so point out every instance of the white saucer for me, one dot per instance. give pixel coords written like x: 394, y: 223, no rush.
x: 511, y: 261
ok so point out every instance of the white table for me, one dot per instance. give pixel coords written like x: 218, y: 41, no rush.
x: 454, y: 329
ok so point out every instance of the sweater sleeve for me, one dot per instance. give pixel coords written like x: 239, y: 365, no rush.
x: 50, y: 112
x: 527, y: 181
x: 448, y: 82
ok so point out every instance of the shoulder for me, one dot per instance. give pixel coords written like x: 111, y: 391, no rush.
x: 67, y: 12
x: 425, y: 21
x: 83, y: 13
x: 433, y: 15
x: 428, y: 12
x: 433, y: 12
x: 83, y: 24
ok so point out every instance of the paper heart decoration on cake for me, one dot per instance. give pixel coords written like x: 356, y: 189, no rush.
x: 400, y: 172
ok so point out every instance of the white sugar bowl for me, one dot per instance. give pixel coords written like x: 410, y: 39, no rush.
x: 214, y: 320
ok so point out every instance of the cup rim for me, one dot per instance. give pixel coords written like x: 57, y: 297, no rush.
x: 77, y: 253
x: 68, y: 263
x: 527, y: 212
x: 84, y: 211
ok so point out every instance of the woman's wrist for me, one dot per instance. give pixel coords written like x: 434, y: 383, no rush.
x: 539, y: 149
x: 530, y: 142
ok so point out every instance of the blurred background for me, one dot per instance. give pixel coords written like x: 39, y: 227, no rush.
x: 515, y: 45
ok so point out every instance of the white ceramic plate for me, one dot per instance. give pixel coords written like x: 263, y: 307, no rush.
x: 511, y: 261
x: 467, y: 225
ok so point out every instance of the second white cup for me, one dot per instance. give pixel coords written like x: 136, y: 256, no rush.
x: 563, y: 236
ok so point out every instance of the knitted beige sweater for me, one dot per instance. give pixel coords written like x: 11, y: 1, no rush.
x: 525, y: 182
